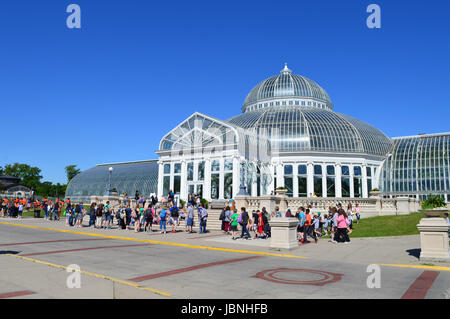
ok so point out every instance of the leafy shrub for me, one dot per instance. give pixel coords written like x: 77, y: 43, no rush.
x: 204, y: 202
x: 433, y: 202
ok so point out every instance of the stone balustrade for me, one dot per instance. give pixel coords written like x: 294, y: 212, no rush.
x: 373, y: 206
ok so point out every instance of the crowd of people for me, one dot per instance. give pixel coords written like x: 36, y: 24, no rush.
x: 14, y: 207
x: 148, y: 213
x: 338, y: 222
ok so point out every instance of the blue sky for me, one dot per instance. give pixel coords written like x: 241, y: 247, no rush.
x: 109, y: 91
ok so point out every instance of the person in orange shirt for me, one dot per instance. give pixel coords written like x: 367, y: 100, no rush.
x: 308, y: 228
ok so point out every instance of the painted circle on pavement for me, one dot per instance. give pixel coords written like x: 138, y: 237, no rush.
x: 319, y: 277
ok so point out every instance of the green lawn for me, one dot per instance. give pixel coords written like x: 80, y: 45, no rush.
x: 382, y: 226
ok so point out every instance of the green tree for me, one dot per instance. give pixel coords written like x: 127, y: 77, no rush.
x: 71, y: 172
x: 29, y: 176
x: 1, y: 171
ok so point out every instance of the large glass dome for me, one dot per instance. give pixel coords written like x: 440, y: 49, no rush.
x: 309, y: 129
x: 287, y: 89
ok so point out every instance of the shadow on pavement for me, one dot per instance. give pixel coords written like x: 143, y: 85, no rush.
x: 414, y: 252
x: 4, y: 252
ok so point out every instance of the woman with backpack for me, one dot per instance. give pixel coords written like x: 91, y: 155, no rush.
x: 245, y: 223
x: 343, y: 223
x: 136, y: 215
x: 99, y: 216
x: 79, y: 218
x: 227, y: 220
x: 92, y: 214
x: 162, y: 219
x: 148, y: 218
x: 222, y: 218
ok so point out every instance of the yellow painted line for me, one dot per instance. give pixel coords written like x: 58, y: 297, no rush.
x: 440, y: 268
x: 124, y: 282
x: 159, y: 242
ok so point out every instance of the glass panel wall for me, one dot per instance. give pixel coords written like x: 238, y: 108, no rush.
x: 215, y: 186
x: 228, y: 187
x: 288, y: 180
x: 331, y: 189
x: 357, y: 181
x: 318, y: 180
x: 302, y: 181
x: 345, y: 181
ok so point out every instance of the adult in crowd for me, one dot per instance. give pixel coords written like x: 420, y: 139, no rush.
x: 92, y: 214
x: 190, y: 217
x: 342, y: 228
x: 245, y: 224
x: 203, y: 217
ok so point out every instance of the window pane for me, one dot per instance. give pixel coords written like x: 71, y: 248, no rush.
x: 302, y: 187
x: 302, y: 169
x: 345, y: 170
x: 228, y: 165
x: 318, y: 186
x: 166, y: 183
x: 330, y: 187
x: 201, y: 171
x: 228, y: 185
x: 346, y: 187
x: 368, y: 171
x: 177, y: 184
x: 357, y: 170
x: 288, y: 185
x: 214, y: 186
x: 318, y: 169
x: 166, y: 168
x: 357, y: 187
x: 330, y: 170
x: 288, y: 170
x: 215, y: 166
x: 190, y: 171
x: 177, y: 168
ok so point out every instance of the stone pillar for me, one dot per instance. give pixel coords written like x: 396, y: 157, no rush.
x: 207, y: 187
x: 280, y: 175
x: 310, y: 179
x: 352, y: 185
x: 324, y: 180
x: 271, y: 186
x: 221, y: 180
x: 365, y: 192
x: 160, y: 179
x: 434, y: 239
x: 183, y: 186
x: 172, y: 170
x: 283, y: 233
x: 403, y: 207
x: 236, y: 176
x: 254, y: 191
x: 338, y: 180
x: 294, y: 180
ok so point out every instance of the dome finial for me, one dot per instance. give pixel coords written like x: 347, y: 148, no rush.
x: 286, y: 69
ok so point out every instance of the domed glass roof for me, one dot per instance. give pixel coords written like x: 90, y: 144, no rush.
x: 287, y: 87
x: 125, y: 178
x: 309, y: 129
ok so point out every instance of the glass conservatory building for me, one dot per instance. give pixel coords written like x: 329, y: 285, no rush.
x: 418, y: 166
x: 288, y: 135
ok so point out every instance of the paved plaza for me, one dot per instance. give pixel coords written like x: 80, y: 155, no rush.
x: 117, y: 263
